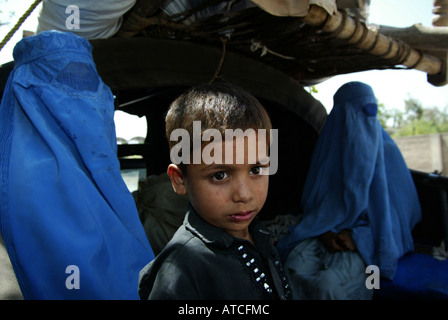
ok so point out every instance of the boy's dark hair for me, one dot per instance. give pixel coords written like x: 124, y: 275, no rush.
x: 219, y: 106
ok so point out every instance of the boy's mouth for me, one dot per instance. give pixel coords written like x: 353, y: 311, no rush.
x: 241, y: 216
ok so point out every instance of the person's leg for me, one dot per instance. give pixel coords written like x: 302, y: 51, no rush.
x: 317, y: 274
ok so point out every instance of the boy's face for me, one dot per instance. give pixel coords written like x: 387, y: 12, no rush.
x: 228, y: 196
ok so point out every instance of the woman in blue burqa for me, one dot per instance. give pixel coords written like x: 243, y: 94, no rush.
x: 69, y: 223
x: 359, y: 204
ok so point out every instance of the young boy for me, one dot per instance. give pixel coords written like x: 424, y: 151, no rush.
x: 221, y: 251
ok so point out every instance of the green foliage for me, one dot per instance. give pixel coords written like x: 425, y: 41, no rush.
x: 312, y: 89
x: 383, y: 115
x: 414, y: 120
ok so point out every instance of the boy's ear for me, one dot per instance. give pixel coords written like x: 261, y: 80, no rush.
x: 177, y: 179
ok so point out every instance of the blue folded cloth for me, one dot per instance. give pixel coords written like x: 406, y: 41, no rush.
x: 419, y: 276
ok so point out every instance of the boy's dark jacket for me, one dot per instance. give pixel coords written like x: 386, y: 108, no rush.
x: 204, y: 262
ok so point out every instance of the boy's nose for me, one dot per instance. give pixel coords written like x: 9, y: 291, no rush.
x: 242, y: 191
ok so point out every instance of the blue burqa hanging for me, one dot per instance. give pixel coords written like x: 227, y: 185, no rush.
x: 68, y: 221
x: 358, y: 180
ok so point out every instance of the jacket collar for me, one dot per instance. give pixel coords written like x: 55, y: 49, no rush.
x: 218, y: 237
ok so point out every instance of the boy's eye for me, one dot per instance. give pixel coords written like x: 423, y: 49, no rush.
x: 219, y: 176
x: 255, y: 170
